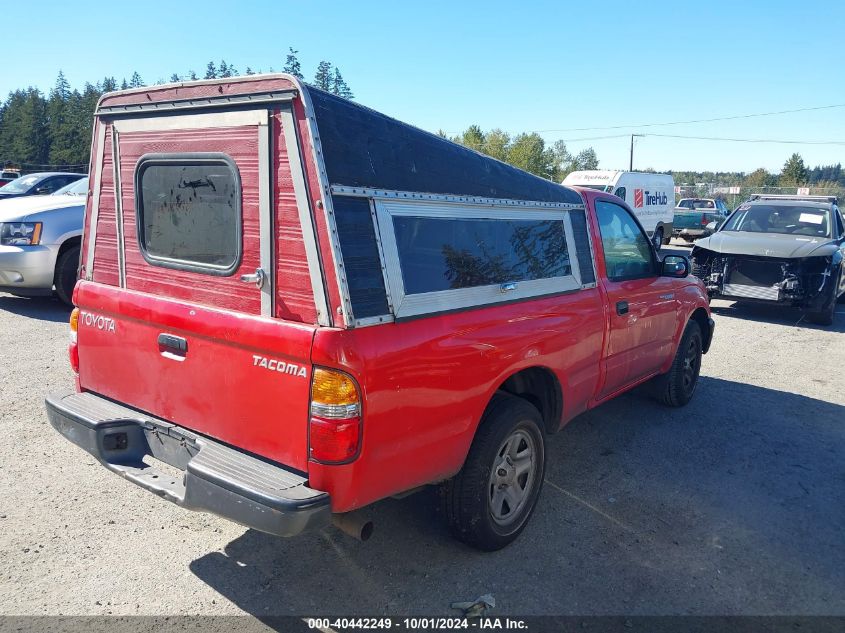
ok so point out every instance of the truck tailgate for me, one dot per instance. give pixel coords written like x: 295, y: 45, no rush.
x: 242, y: 379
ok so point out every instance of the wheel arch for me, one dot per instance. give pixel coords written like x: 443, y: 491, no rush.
x: 73, y: 240
x: 699, y: 315
x: 541, y: 387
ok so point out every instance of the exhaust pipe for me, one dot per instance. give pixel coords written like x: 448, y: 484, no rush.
x: 354, y: 524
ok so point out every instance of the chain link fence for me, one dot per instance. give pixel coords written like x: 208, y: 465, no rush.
x: 737, y: 194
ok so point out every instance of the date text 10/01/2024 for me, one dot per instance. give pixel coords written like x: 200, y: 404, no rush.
x: 416, y: 623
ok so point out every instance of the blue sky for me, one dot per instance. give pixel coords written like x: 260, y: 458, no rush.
x: 520, y: 66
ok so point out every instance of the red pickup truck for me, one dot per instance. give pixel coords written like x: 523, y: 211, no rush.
x: 291, y: 306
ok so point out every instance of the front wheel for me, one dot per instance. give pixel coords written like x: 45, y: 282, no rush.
x: 676, y: 387
x: 826, y: 316
x: 488, y: 503
x: 657, y: 238
x: 65, y: 276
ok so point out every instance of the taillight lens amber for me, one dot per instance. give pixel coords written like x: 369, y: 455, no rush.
x: 73, y: 347
x: 335, y: 421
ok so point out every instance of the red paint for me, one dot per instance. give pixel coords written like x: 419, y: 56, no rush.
x: 424, y: 383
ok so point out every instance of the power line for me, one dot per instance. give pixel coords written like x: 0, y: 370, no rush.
x: 708, y: 138
x: 748, y: 140
x: 724, y: 118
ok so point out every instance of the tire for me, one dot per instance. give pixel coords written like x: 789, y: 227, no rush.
x: 657, y: 238
x: 477, y: 500
x: 676, y: 387
x: 826, y: 316
x: 65, y: 276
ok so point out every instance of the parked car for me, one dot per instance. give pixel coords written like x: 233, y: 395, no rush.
x: 691, y: 225
x: 8, y: 176
x: 314, y: 307
x: 40, y: 184
x: 781, y: 250
x: 39, y: 242
x: 715, y: 205
x: 649, y: 195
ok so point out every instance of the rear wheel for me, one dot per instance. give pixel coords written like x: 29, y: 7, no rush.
x: 65, y: 276
x: 657, y: 238
x: 676, y: 387
x: 488, y: 503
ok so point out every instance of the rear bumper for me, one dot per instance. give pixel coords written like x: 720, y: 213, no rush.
x: 214, y: 477
x: 694, y: 234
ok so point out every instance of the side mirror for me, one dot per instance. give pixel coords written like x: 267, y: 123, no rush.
x: 676, y: 266
x: 712, y: 226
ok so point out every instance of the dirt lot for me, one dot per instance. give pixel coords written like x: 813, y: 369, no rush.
x: 733, y: 505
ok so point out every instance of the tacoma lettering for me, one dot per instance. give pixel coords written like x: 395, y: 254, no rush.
x: 272, y: 364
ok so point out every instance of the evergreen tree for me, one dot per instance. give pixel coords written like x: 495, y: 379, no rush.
x: 109, y: 84
x: 24, y: 136
x: 292, y: 65
x: 62, y: 87
x: 323, y: 77
x: 211, y: 71
x: 57, y: 120
x: 123, y: 84
x: 249, y: 71
x: 136, y: 81
x: 223, y: 70
x: 794, y: 171
x: 192, y: 75
x: 175, y: 78
x: 339, y: 86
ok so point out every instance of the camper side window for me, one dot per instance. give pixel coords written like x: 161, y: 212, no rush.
x: 189, y: 211
x: 445, y: 257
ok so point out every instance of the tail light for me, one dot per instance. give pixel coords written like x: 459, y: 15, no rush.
x: 73, y: 348
x: 334, y: 429
x: 704, y: 220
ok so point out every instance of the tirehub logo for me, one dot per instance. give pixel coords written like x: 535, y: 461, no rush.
x: 650, y: 199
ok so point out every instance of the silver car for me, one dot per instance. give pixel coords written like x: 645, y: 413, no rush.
x: 40, y: 238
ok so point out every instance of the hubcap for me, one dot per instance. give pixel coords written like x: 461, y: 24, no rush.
x: 513, y: 477
x: 692, y: 364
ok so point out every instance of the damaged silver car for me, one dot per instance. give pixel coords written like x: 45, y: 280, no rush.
x: 786, y: 250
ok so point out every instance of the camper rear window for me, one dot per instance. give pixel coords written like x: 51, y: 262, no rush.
x: 189, y: 212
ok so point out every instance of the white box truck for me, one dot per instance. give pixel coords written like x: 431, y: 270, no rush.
x: 650, y: 196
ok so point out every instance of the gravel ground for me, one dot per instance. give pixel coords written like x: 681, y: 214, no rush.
x: 733, y: 505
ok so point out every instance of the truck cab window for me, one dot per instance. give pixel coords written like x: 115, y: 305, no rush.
x: 620, y: 192
x: 627, y: 250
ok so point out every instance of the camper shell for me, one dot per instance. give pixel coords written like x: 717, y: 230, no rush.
x: 263, y: 304
x: 650, y: 196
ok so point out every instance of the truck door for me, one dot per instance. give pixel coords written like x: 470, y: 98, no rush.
x: 642, y: 305
x: 187, y: 294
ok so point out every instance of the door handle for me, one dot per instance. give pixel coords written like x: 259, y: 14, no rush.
x: 173, y: 345
x: 257, y: 278
x: 621, y: 307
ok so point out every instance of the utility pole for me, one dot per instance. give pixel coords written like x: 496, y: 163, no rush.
x: 631, y: 164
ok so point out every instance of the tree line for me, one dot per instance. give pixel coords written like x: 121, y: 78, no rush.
x: 38, y: 132
x: 795, y: 173
x: 527, y: 151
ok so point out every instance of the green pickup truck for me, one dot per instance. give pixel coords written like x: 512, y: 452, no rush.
x: 692, y: 215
